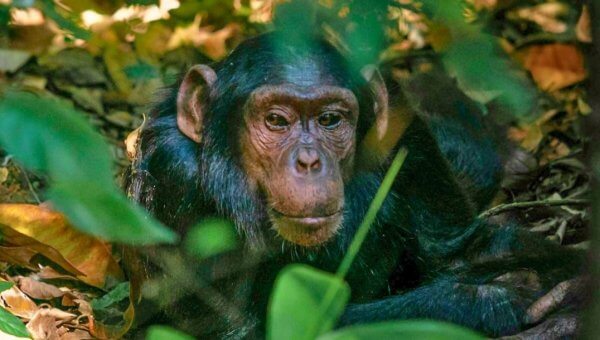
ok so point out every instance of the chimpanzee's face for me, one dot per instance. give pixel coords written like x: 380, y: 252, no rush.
x: 298, y: 146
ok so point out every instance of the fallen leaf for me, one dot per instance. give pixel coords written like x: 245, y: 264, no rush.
x: 38, y: 290
x: 48, y: 233
x: 132, y: 140
x: 554, y: 66
x: 77, y: 334
x: 43, y: 325
x: 545, y: 15
x: 20, y: 256
x: 19, y: 304
x: 212, y: 43
x: 583, y: 28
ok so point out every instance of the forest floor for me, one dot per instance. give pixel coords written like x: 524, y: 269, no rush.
x: 544, y: 165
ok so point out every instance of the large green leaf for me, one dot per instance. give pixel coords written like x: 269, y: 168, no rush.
x: 48, y: 135
x: 10, y: 324
x: 211, y: 237
x: 165, y: 332
x: 305, y: 302
x: 4, y: 285
x: 409, y: 329
x: 105, y: 212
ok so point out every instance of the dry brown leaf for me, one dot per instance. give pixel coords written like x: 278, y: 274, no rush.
x: 77, y: 334
x: 20, y: 256
x: 38, y: 290
x: 546, y: 15
x: 554, y: 66
x: 132, y: 140
x: 102, y: 331
x: 48, y: 233
x: 212, y: 43
x: 43, y: 325
x: 19, y: 304
x: 48, y: 273
x: 583, y: 29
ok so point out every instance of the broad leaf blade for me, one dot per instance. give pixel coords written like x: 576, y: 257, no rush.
x: 165, y: 332
x: 211, y: 237
x: 408, y: 329
x: 305, y: 302
x: 12, y: 325
x: 106, y: 213
x: 49, y: 135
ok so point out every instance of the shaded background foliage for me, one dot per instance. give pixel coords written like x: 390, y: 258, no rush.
x: 105, y: 62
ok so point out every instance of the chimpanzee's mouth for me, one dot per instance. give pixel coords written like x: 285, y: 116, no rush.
x: 308, y: 219
x: 306, y: 230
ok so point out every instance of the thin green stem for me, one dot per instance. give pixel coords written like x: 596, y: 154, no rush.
x: 376, y: 204
x: 358, y: 239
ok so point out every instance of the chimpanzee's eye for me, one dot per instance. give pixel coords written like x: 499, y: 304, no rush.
x: 276, y: 121
x: 329, y: 119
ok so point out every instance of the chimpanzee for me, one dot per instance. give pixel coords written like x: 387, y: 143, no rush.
x: 290, y: 141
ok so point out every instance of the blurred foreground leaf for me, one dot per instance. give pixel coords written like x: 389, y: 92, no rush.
x: 297, y: 310
x: 105, y: 212
x: 48, y: 135
x: 476, y: 59
x: 211, y: 237
x: 166, y: 332
x: 409, y: 329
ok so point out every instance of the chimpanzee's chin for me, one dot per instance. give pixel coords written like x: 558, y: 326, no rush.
x: 307, y: 231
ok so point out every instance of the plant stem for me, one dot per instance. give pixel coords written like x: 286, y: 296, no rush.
x: 376, y: 204
x: 522, y: 205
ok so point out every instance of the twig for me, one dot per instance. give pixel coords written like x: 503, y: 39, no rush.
x: 31, y: 189
x: 522, y: 205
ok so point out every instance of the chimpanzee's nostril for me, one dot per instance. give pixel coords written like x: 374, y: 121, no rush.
x: 308, y: 161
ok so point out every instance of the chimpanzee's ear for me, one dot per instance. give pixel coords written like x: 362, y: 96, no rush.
x: 191, y: 106
x: 391, y: 121
x: 380, y: 96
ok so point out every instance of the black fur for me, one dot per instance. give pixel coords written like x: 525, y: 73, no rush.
x: 426, y: 256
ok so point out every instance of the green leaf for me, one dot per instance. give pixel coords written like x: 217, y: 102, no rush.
x: 118, y: 294
x: 165, y: 332
x: 305, y: 302
x: 12, y: 325
x: 211, y: 237
x: 65, y: 22
x: 104, y: 212
x: 23, y: 3
x: 477, y: 61
x: 408, y: 329
x: 47, y: 135
x: 4, y: 285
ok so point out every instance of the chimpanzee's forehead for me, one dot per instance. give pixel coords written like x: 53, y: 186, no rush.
x: 309, y: 72
x: 289, y: 93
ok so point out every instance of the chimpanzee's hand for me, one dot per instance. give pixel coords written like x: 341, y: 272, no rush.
x: 567, y: 295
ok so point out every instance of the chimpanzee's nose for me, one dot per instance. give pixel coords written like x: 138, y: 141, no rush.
x: 308, y: 161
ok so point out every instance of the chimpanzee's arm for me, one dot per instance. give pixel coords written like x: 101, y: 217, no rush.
x: 477, y: 275
x: 488, y: 288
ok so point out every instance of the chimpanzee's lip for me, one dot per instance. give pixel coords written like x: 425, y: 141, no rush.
x: 306, y: 231
x: 308, y: 218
